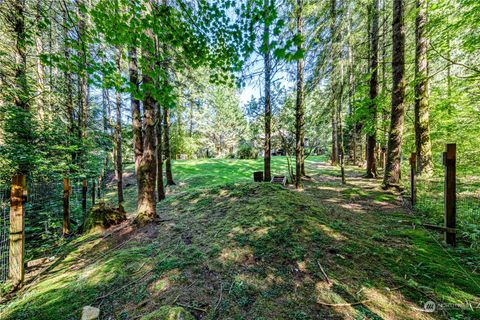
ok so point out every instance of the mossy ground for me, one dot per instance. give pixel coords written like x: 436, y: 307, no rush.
x: 228, y: 248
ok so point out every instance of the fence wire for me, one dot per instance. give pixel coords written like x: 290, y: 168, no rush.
x: 44, y: 215
x: 430, y: 202
x: 4, y: 227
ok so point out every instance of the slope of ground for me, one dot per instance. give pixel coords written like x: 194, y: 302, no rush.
x: 240, y: 250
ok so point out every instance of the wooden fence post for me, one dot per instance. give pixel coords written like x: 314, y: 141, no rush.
x: 66, y: 206
x: 94, y: 189
x: 449, y: 161
x: 84, y: 195
x: 413, y: 182
x: 16, y: 263
x: 99, y: 184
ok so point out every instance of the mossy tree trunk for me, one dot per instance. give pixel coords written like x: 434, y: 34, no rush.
x: 299, y: 107
x: 146, y: 205
x: 118, y: 136
x: 422, y: 132
x: 333, y: 48
x: 372, y: 130
x: 135, y: 108
x: 160, y: 186
x: 397, y: 115
x: 267, y: 59
x: 166, y: 145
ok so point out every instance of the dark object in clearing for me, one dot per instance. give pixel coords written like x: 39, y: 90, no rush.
x: 280, y: 180
x: 103, y: 216
x: 258, y: 176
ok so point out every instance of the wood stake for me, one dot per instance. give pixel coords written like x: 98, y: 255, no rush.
x: 16, y: 263
x: 99, y: 184
x: 66, y: 206
x: 413, y: 182
x: 84, y: 196
x: 93, y: 192
x: 450, y: 193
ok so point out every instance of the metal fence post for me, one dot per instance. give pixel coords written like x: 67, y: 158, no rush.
x: 17, y: 230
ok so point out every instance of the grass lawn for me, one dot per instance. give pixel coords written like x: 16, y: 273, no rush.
x: 228, y: 248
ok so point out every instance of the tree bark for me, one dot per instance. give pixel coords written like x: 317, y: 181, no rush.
x: 135, y: 106
x: 20, y: 127
x: 333, y: 48
x: 299, y: 111
x: 268, y: 77
x: 118, y: 136
x: 41, y: 87
x: 422, y: 132
x: 82, y: 74
x: 392, y: 170
x: 146, y: 206
x: 372, y: 130
x: 166, y: 143
x: 160, y: 186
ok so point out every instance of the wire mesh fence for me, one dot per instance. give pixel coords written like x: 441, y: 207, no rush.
x: 4, y: 227
x: 430, y: 202
x: 44, y: 214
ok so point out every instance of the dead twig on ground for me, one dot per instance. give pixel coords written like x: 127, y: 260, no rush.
x: 342, y: 304
x: 191, y: 307
x: 324, y: 273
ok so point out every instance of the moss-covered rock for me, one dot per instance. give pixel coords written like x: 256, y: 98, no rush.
x: 169, y: 313
x: 102, y: 216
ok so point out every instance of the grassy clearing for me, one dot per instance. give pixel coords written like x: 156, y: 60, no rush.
x: 240, y: 250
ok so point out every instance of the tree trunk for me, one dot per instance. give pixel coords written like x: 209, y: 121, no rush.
x: 21, y: 127
x: 160, y: 186
x: 82, y: 74
x: 41, y: 90
x: 68, y: 77
x: 299, y: 112
x: 166, y: 143
x: 351, y: 89
x: 268, y: 110
x: 372, y: 130
x: 422, y: 133
x: 392, y: 170
x: 384, y: 83
x: 135, y: 106
x: 118, y: 136
x: 333, y: 48
x: 146, y: 206
x: 340, y: 126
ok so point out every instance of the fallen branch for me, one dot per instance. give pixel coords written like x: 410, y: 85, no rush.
x: 324, y: 273
x: 343, y: 304
x: 219, y: 299
x: 191, y: 307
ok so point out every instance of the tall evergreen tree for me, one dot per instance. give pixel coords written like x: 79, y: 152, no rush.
x: 422, y: 132
x: 372, y: 129
x: 397, y: 115
x: 299, y: 106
